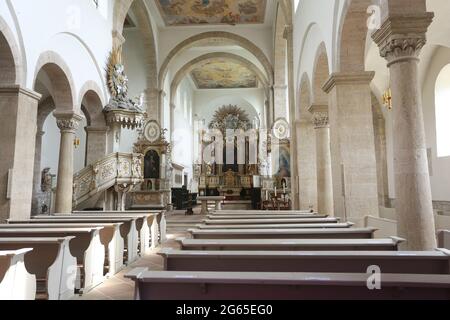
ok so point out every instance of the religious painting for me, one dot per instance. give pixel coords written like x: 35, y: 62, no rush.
x: 217, y: 12
x: 223, y: 74
x: 151, y: 165
x: 284, y: 169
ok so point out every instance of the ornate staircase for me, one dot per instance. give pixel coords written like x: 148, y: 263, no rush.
x: 123, y: 171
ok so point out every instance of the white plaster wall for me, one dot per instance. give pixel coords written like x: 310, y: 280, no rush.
x: 183, y: 138
x: 440, y: 179
x: 74, y: 29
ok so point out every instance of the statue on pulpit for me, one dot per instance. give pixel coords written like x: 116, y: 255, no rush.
x: 230, y: 180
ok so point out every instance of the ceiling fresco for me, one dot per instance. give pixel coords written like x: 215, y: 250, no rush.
x: 195, y: 12
x: 223, y: 74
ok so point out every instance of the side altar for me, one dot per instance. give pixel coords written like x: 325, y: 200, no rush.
x: 155, y: 191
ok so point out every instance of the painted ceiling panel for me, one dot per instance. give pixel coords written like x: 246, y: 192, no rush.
x: 195, y: 12
x: 223, y: 74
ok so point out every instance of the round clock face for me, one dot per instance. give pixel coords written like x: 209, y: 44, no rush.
x: 152, y: 131
x: 281, y: 129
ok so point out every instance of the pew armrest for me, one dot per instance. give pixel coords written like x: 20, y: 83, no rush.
x: 135, y: 273
x: 397, y: 240
x: 443, y: 250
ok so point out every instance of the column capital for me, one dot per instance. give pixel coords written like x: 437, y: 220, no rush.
x: 67, y: 121
x: 402, y: 37
x: 347, y: 78
x: 320, y: 117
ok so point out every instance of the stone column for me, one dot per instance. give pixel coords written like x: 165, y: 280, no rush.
x: 323, y: 162
x: 17, y: 145
x: 400, y: 40
x: 97, y: 141
x: 35, y: 205
x: 354, y: 168
x: 306, y: 156
x: 288, y: 35
x: 68, y: 124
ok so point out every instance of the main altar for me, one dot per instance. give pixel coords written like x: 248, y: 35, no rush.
x: 235, y: 159
x: 234, y: 174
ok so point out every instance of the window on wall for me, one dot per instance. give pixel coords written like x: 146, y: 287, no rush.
x: 442, y: 108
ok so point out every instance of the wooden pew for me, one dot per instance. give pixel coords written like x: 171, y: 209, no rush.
x: 128, y: 230
x: 110, y: 238
x: 415, y: 262
x: 357, y: 233
x: 86, y: 247
x: 345, y: 225
x: 15, y: 281
x: 444, y: 239
x: 265, y: 216
x: 270, y: 221
x: 390, y: 244
x: 178, y: 285
x: 262, y: 212
x: 50, y: 262
x: 156, y: 222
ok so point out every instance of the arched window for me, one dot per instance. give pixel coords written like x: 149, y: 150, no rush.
x: 442, y: 107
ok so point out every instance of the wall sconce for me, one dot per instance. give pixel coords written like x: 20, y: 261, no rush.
x: 76, y: 143
x: 387, y: 99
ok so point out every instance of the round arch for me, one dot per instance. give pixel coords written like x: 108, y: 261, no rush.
x: 304, y: 97
x: 188, y: 67
x: 321, y: 73
x: 10, y: 57
x: 90, y: 99
x: 61, y: 85
x: 351, y: 39
x: 233, y: 38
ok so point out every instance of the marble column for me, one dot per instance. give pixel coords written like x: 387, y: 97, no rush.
x: 17, y: 146
x: 400, y: 40
x: 354, y: 167
x: 68, y: 124
x: 323, y: 159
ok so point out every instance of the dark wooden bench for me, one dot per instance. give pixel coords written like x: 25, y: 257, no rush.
x: 185, y: 286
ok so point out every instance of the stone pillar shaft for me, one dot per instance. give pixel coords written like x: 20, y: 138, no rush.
x: 17, y: 144
x: 97, y: 142
x: 400, y: 40
x: 354, y: 169
x: 68, y: 123
x: 323, y: 162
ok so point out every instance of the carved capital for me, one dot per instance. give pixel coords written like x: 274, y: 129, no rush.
x: 401, y: 38
x: 68, y: 121
x: 319, y: 116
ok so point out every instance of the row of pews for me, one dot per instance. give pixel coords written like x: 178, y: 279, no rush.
x: 291, y: 255
x: 55, y: 257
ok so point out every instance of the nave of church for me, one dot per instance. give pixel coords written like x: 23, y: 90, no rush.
x: 224, y: 150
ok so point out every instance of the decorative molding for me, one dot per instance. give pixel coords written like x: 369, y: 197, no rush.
x: 17, y: 89
x: 402, y: 37
x: 348, y: 78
